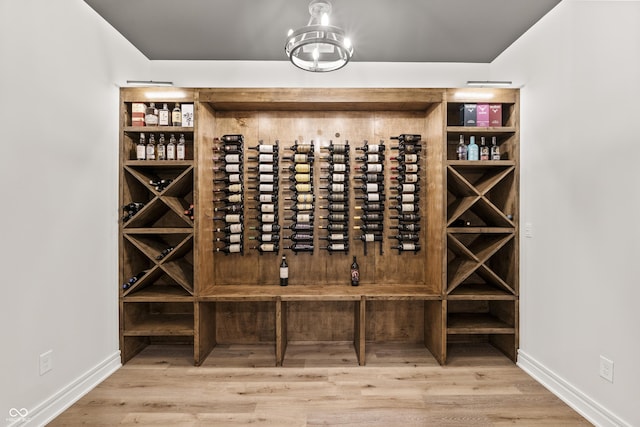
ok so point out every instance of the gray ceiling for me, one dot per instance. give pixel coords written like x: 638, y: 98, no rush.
x: 473, y: 31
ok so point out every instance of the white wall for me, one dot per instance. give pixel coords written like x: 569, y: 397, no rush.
x: 58, y: 185
x: 580, y: 67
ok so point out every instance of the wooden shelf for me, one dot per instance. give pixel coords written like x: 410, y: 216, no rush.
x: 161, y: 325
x: 160, y: 293
x: 470, y: 130
x: 477, y: 323
x: 158, y: 129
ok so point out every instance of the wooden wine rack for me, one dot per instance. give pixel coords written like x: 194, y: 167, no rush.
x: 461, y: 286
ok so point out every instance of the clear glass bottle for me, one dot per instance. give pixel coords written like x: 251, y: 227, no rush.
x: 495, y: 149
x: 461, y: 151
x: 151, y: 115
x: 176, y: 115
x: 171, y: 148
x: 163, y: 115
x: 151, y: 148
x: 484, y: 150
x: 141, y: 148
x: 161, y: 148
x: 181, y: 148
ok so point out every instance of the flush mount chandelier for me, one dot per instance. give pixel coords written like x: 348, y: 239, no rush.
x: 319, y: 47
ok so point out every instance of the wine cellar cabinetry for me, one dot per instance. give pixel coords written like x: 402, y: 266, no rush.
x: 435, y: 236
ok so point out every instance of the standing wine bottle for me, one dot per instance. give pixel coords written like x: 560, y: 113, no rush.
x: 141, y: 148
x: 163, y: 116
x: 355, y: 273
x: 284, y: 271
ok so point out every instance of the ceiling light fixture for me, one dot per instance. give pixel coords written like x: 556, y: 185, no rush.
x: 148, y: 83
x: 319, y: 47
x: 489, y: 83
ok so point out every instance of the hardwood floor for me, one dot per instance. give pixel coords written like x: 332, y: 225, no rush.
x: 320, y: 385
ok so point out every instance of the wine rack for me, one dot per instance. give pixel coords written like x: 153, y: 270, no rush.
x: 302, y: 216
x: 267, y: 207
x: 337, y: 198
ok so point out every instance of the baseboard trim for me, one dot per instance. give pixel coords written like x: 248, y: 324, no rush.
x: 570, y: 395
x: 49, y: 409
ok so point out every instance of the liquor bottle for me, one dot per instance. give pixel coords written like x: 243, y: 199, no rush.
x: 371, y: 187
x: 181, y: 148
x: 227, y: 148
x: 406, y: 198
x: 370, y: 177
x: 284, y: 271
x: 406, y: 227
x: 151, y: 148
x: 232, y: 138
x: 301, y: 188
x: 369, y: 237
x: 337, y: 158
x: 370, y: 217
x: 495, y: 149
x: 409, y: 237
x: 161, y: 148
x: 409, y: 177
x: 231, y: 238
x: 299, y: 237
x: 302, y: 148
x: 371, y: 197
x: 302, y: 198
x: 264, y: 158
x: 462, y: 150
x: 266, y: 188
x: 267, y: 228
x: 406, y: 217
x: 229, y: 209
x: 336, y: 187
x: 407, y: 158
x: 300, y: 247
x: 176, y: 115
x: 372, y: 148
x: 133, y: 279
x: 266, y: 238
x: 267, y: 247
x: 337, y: 167
x: 335, y: 207
x: 141, y: 148
x: 407, y: 137
x: 266, y: 198
x: 231, y: 228
x: 335, y: 237
x: 336, y: 197
x: 163, y: 116
x: 405, y: 188
x: 472, y: 149
x: 299, y: 158
x: 409, y: 247
x: 300, y: 217
x: 264, y: 168
x: 231, y: 249
x: 370, y: 207
x: 408, y: 168
x: 338, y: 148
x: 335, y: 217
x: 335, y: 177
x: 299, y: 226
x: 371, y: 158
x: 228, y: 168
x: 336, y: 247
x: 335, y: 226
x: 484, y: 150
x: 355, y: 273
x: 230, y: 218
x: 298, y: 207
x: 171, y: 148
x: 375, y: 226
x: 151, y: 115
x: 165, y: 252
x: 267, y: 218
x: 370, y: 168
x: 233, y: 188
x: 232, y: 178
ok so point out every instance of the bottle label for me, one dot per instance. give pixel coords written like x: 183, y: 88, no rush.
x: 303, y: 188
x: 235, y: 238
x: 265, y: 188
x: 235, y: 198
x: 171, y: 152
x: 374, y: 167
x: 262, y: 148
x: 235, y: 218
x: 235, y: 248
x: 299, y: 158
x: 337, y: 177
x: 336, y: 236
x: 373, y: 158
x: 338, y: 158
x: 267, y: 228
x: 408, y: 207
x: 235, y: 228
x: 411, y: 177
x: 339, y: 167
x: 304, y: 198
x: 269, y: 208
x: 267, y: 238
x: 408, y: 198
x: 231, y: 158
x: 408, y: 188
x: 373, y: 197
x: 302, y: 177
x: 265, y: 168
x: 235, y: 188
x: 266, y: 198
x: 265, y: 177
x: 369, y: 237
x: 303, y: 218
x: 181, y: 152
x: 410, y: 158
x: 151, y: 152
x: 265, y: 158
x: 355, y: 275
x: 303, y: 168
x: 284, y: 272
x: 411, y: 168
x: 268, y: 218
x: 337, y: 188
x: 163, y: 118
x: 372, y: 188
x: 232, y: 168
x: 408, y: 247
x: 176, y: 118
x: 337, y: 247
x: 141, y: 152
x: 374, y: 148
x: 234, y: 177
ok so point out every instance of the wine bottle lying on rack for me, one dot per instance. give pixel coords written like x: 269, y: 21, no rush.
x: 408, y: 168
x: 370, y: 217
x: 298, y: 207
x: 232, y: 138
x: 231, y: 249
x: 265, y: 148
x: 406, y: 207
x: 302, y: 198
x: 299, y: 226
x: 133, y: 279
x: 231, y: 228
x: 335, y: 197
x: 267, y: 228
x: 229, y: 158
x: 335, y: 237
x: 299, y: 237
x: 302, y: 148
x: 230, y: 238
x: 230, y: 218
x: 338, y: 148
x: 407, y: 137
x: 406, y: 217
x: 335, y: 226
x: 299, y: 158
x: 266, y: 238
x: 165, y: 252
x: 406, y: 227
x: 407, y: 247
x: 371, y: 158
x: 406, y: 198
x: 229, y: 149
x: 371, y: 197
x: 369, y: 237
x: 370, y: 226
x: 406, y: 188
x: 232, y: 188
x: 263, y: 168
x: 300, y: 247
x: 408, y: 237
x: 336, y: 247
x: 266, y: 188
x: 264, y: 158
x: 267, y: 247
x: 372, y: 148
x: 406, y: 158
x: 336, y: 187
x: 337, y: 158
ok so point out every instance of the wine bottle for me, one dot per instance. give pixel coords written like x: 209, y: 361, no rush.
x: 133, y: 279
x: 338, y: 148
x: 265, y: 148
x: 336, y: 187
x: 228, y: 168
x: 302, y: 148
x: 337, y: 158
x: 336, y: 247
x: 335, y: 237
x: 409, y: 237
x: 161, y: 147
x: 165, y: 252
x: 409, y: 177
x: 263, y: 168
x: 370, y: 217
x: 141, y: 148
x: 233, y: 178
x: 406, y: 198
x: 229, y: 209
x: 406, y: 227
x: 266, y: 188
x: 335, y: 207
x: 231, y: 228
x: 369, y: 237
x: 227, y: 148
x: 266, y: 237
x: 266, y: 207
x: 302, y: 198
x: 355, y: 273
x: 160, y: 184
x: 181, y: 149
x: 299, y: 158
x: 176, y: 115
x: 337, y: 167
x: 406, y: 217
x: 300, y: 247
x: 335, y: 226
x: 370, y: 177
x: 301, y: 217
x: 370, y: 207
x: 284, y: 271
x: 370, y: 197
x: 228, y: 158
x: 233, y: 188
x: 151, y: 115
x: 406, y: 188
x: 406, y: 158
x: 299, y: 226
x: 267, y: 228
x: 372, y: 148
x: 264, y: 178
x: 267, y: 247
x: 371, y: 187
x: 151, y: 148
x: 472, y: 149
x: 370, y: 168
x: 301, y: 188
x: 230, y: 218
x: 300, y: 207
x: 335, y: 217
x: 335, y: 197
x: 407, y: 137
x: 299, y: 168
x: 189, y: 211
x: 408, y: 148
x: 409, y: 247
x: 298, y: 237
x: 335, y: 178
x: 266, y: 198
x: 375, y: 226
x: 231, y: 249
x: 231, y: 238
x: 232, y: 138
x: 264, y: 158
x: 131, y: 209
x: 408, y: 168
x: 484, y: 150
x: 267, y: 218
x: 495, y: 149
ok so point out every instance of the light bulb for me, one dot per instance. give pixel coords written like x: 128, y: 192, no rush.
x: 347, y: 42
x: 324, y: 20
x: 290, y: 32
x: 316, y: 54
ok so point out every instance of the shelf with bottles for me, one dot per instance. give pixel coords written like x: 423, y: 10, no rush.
x: 161, y: 215
x: 505, y: 141
x: 162, y: 178
x: 150, y: 318
x: 159, y: 114
x: 131, y: 139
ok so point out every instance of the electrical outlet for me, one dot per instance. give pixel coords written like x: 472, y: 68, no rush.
x: 46, y: 362
x: 606, y: 368
x: 528, y: 230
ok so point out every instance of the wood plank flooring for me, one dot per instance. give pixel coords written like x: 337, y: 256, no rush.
x: 320, y: 384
